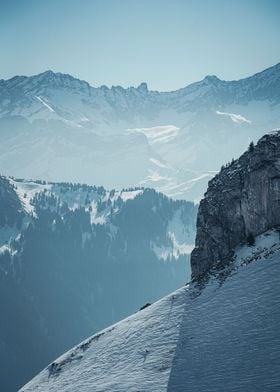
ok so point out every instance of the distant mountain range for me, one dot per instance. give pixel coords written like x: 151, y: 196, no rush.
x: 59, y: 128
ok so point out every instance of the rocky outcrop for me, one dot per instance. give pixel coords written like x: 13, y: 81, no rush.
x: 242, y: 201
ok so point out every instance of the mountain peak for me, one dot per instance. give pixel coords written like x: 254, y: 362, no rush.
x: 53, y: 79
x: 48, y: 72
x: 211, y: 79
x: 143, y: 87
x: 46, y: 75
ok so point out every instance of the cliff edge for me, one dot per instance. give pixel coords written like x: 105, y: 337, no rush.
x: 242, y: 201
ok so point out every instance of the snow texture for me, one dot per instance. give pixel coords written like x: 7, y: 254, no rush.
x: 124, y: 357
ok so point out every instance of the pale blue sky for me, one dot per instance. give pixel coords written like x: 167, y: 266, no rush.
x: 167, y: 43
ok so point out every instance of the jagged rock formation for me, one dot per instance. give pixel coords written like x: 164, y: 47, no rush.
x: 242, y: 201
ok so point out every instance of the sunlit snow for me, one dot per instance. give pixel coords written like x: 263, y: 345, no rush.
x: 159, y: 134
x: 237, y: 118
x: 46, y: 104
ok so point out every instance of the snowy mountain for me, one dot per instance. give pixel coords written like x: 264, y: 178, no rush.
x: 75, y: 259
x: 56, y: 127
x: 220, y: 332
x: 222, y: 338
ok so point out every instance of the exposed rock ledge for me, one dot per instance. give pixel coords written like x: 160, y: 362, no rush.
x: 243, y: 200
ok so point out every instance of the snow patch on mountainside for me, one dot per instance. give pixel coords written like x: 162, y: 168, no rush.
x: 7, y: 234
x: 3, y: 249
x: 130, y: 195
x: 175, y: 250
x: 182, y: 239
x: 158, y: 163
x: 46, y: 104
x: 236, y: 118
x: 176, y: 189
x: 26, y: 190
x: 153, y: 176
x: 158, y: 134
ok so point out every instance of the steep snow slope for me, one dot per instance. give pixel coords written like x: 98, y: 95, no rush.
x: 56, y: 127
x: 221, y: 334
x: 229, y: 340
x: 125, y: 357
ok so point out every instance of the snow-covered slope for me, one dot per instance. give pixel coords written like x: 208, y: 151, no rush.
x: 56, y: 127
x: 133, y: 355
x: 219, y: 334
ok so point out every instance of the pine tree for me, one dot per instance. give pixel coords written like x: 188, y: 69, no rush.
x: 251, y: 147
x: 250, y: 239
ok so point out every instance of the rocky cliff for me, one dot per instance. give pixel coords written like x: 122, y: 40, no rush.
x: 242, y: 201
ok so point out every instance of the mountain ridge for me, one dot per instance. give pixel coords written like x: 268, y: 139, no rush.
x: 215, y: 78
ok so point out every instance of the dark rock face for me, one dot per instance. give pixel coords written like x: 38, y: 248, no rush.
x: 241, y: 201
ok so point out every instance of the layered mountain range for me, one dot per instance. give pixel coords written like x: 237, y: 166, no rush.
x: 221, y: 331
x: 59, y: 128
x: 76, y: 258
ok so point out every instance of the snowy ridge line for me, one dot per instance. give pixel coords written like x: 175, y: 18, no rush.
x: 77, y: 353
x: 143, y: 332
x: 89, y: 196
x: 103, y: 206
